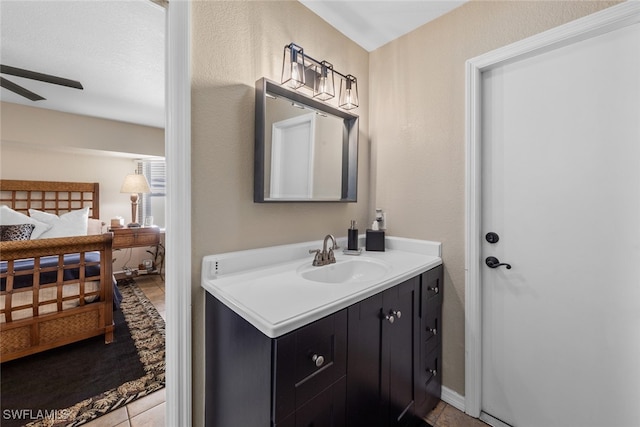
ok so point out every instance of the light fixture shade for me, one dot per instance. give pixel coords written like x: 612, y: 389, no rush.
x: 348, y: 93
x: 135, y: 183
x: 293, y: 66
x: 323, y: 86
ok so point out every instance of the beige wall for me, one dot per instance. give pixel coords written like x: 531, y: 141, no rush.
x: 54, y: 129
x: 40, y: 144
x: 417, y: 113
x: 233, y: 45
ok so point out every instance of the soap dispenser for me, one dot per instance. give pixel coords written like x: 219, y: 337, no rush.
x: 352, y: 237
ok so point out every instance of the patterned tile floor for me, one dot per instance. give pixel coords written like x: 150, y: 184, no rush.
x: 149, y: 411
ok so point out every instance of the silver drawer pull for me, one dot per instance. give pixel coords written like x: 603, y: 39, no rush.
x: 318, y: 360
x: 433, y: 372
x: 434, y: 289
x: 434, y: 331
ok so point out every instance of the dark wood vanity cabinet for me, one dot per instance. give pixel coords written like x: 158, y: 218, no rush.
x: 400, y: 325
x: 375, y: 363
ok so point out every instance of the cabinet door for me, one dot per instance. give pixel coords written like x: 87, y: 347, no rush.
x: 380, y: 373
x: 400, y: 305
x: 364, y: 404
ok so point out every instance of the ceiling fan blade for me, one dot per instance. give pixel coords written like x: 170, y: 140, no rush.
x: 27, y: 74
x: 9, y: 85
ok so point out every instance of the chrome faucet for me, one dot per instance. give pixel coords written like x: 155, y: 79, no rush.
x: 326, y: 256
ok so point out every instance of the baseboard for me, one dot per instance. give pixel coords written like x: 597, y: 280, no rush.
x: 452, y: 398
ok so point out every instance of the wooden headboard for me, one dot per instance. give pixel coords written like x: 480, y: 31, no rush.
x: 49, y: 196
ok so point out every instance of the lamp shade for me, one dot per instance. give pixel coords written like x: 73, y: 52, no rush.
x: 135, y: 183
x: 348, y: 93
x: 323, y: 87
x: 293, y: 67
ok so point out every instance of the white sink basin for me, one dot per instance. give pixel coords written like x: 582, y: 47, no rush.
x: 352, y: 270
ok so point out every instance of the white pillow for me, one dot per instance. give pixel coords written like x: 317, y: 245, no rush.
x: 10, y: 217
x: 74, y: 223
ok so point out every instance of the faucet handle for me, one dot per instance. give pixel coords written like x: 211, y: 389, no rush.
x: 317, y: 260
x: 331, y: 258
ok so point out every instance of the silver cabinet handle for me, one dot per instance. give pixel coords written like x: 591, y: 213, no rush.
x: 393, y: 315
x: 318, y: 360
x: 434, y: 289
x: 433, y: 372
x: 434, y: 331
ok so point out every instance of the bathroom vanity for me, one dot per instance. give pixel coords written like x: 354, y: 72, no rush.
x: 353, y: 343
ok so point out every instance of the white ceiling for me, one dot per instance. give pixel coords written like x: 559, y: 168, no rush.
x: 372, y: 24
x: 116, y: 48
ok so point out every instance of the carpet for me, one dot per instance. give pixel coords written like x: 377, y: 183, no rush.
x: 77, y: 383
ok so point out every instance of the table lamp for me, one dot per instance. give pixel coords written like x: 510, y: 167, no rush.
x: 135, y: 184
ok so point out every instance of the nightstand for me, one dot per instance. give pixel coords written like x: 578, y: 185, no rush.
x: 135, y: 237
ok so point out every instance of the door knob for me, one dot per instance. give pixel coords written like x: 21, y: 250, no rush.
x: 492, y: 237
x: 494, y: 262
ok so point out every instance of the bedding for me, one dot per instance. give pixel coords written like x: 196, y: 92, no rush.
x: 47, y: 300
x: 74, y: 223
x: 9, y: 216
x: 49, y: 275
x: 49, y: 269
x: 11, y: 233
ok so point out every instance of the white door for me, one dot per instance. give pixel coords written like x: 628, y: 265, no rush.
x: 561, y: 188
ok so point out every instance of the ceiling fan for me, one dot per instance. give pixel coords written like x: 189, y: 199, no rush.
x: 27, y: 74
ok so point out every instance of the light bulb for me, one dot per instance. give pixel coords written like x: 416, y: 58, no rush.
x: 296, y: 80
x: 322, y: 86
x: 347, y: 98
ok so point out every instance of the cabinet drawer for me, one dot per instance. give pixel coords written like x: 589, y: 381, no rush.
x: 308, y: 361
x: 431, y: 320
x: 432, y: 283
x: 432, y: 377
x: 128, y: 238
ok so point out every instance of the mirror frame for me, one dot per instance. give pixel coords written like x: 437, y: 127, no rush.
x: 349, y: 191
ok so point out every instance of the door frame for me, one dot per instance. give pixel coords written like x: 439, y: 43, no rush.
x: 178, y: 411
x: 601, y: 22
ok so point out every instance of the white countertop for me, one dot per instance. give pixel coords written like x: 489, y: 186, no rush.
x: 263, y: 285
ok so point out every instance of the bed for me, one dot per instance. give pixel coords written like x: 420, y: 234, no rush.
x: 58, y: 290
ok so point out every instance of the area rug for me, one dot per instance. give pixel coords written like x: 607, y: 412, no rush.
x: 80, y: 382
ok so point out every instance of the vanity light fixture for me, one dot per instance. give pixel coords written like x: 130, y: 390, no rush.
x: 348, y: 93
x: 293, y: 69
x: 301, y: 71
x: 324, y: 87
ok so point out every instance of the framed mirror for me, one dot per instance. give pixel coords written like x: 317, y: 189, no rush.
x: 305, y: 150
